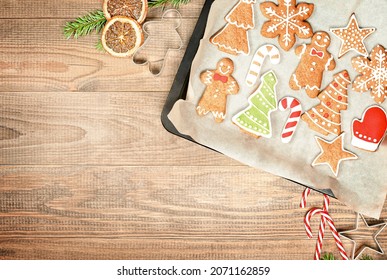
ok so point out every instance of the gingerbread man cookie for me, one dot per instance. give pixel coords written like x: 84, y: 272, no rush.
x: 315, y: 60
x: 219, y: 84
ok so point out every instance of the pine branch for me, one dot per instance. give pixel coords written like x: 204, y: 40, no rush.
x: 328, y: 257
x: 366, y: 257
x: 162, y: 3
x: 99, y: 46
x: 84, y: 25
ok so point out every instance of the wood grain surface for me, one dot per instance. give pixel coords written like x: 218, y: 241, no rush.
x: 88, y: 171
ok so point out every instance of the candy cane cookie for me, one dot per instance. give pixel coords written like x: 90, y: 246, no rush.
x: 256, y: 64
x: 295, y: 113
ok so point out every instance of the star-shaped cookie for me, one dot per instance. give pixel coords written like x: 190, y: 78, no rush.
x: 332, y: 153
x: 361, y: 237
x: 352, y: 37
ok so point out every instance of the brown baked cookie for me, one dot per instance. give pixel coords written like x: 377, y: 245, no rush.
x: 286, y: 20
x: 315, y: 60
x: 333, y: 153
x: 352, y: 37
x: 233, y: 37
x: 373, y: 72
x: 220, y: 83
x: 325, y: 118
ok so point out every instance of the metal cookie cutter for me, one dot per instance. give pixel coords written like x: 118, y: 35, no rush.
x: 162, y: 37
x: 361, y: 235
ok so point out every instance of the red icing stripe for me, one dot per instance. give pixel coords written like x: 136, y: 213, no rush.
x: 287, y: 134
x: 295, y: 114
x: 294, y: 103
x: 290, y: 124
x: 284, y: 103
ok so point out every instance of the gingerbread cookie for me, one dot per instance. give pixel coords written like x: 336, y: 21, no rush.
x: 233, y: 37
x: 373, y: 74
x: 220, y: 83
x: 286, y: 20
x: 325, y: 118
x: 264, y: 51
x: 369, y: 132
x: 315, y: 60
x: 352, y: 37
x: 255, y: 119
x: 332, y: 153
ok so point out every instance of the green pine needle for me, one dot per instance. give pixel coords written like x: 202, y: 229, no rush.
x: 331, y: 257
x: 366, y: 258
x: 162, y: 3
x: 95, y: 21
x: 84, y: 25
x: 328, y: 257
x: 99, y: 46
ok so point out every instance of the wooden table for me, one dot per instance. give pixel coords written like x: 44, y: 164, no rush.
x: 88, y: 171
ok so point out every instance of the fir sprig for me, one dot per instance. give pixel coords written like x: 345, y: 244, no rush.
x: 162, y: 3
x: 331, y: 257
x: 366, y: 257
x: 328, y: 257
x: 95, y: 21
x: 99, y: 46
x: 85, y: 25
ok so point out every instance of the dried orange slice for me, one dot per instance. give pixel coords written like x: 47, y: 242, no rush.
x: 122, y: 36
x: 136, y: 9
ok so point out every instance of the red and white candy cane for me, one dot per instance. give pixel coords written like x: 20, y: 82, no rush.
x: 321, y: 230
x: 331, y: 225
x: 256, y: 64
x: 295, y: 114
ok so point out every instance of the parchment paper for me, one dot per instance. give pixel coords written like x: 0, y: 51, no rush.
x: 362, y: 183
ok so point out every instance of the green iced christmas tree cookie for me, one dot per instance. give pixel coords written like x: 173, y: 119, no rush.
x: 255, y: 119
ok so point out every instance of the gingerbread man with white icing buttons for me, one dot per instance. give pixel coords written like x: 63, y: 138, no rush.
x: 220, y: 83
x: 315, y: 60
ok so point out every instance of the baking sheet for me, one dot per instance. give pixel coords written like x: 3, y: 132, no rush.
x: 361, y: 183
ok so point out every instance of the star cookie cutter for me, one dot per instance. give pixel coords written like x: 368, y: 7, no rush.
x: 162, y: 37
x: 356, y: 252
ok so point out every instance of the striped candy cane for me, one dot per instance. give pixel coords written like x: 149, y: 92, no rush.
x: 331, y: 225
x: 295, y: 113
x: 256, y: 64
x: 321, y: 230
x: 304, y: 197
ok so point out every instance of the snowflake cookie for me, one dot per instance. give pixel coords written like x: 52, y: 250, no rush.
x: 373, y: 72
x: 286, y: 20
x: 352, y: 37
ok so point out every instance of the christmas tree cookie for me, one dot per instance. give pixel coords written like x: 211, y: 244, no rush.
x: 325, y: 118
x: 255, y: 119
x: 233, y: 37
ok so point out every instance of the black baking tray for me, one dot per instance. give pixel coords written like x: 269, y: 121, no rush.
x: 180, y: 84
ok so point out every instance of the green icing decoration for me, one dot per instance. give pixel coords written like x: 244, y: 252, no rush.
x: 255, y: 119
